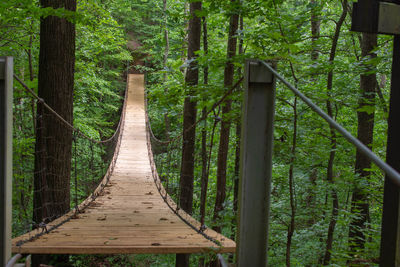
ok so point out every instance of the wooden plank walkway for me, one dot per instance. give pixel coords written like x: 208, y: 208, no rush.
x: 129, y: 216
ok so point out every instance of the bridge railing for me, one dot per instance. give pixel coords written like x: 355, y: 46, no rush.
x: 6, y: 92
x: 256, y: 158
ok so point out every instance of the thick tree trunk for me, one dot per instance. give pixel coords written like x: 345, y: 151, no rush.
x: 53, y: 138
x: 365, y: 133
x: 189, y: 119
x: 333, y: 141
x: 225, y: 124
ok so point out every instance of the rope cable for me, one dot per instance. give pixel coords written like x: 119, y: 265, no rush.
x: 75, y: 175
x: 89, y: 200
x: 157, y: 179
x: 41, y: 100
x: 202, y: 118
x: 118, y: 133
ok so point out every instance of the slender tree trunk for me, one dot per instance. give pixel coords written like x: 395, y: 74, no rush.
x: 189, y: 119
x: 365, y: 133
x: 165, y: 61
x: 53, y: 138
x: 236, y: 176
x: 32, y: 77
x: 186, y: 10
x: 291, y: 227
x: 204, y: 158
x: 237, y: 151
x: 379, y: 87
x: 166, y: 37
x: 333, y: 140
x: 225, y: 124
x: 315, y: 30
x: 315, y: 34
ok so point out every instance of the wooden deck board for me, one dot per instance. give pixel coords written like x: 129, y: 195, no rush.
x: 129, y: 216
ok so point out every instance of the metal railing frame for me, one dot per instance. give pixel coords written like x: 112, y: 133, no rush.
x: 6, y: 93
x: 255, y: 165
x: 261, y: 77
x: 392, y: 173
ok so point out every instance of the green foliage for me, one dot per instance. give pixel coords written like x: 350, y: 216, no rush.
x: 101, y: 57
x: 273, y: 30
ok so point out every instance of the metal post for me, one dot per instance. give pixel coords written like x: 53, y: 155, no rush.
x: 255, y: 165
x: 6, y: 81
x: 390, y: 241
x: 383, y: 16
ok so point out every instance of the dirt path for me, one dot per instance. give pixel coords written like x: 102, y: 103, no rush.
x: 134, y: 47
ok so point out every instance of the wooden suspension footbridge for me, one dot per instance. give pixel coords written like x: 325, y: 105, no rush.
x: 132, y: 212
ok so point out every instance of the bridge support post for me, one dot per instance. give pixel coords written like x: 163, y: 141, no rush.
x: 390, y: 240
x: 255, y: 165
x: 6, y: 83
x: 383, y: 16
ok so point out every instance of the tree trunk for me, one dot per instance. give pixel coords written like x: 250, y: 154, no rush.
x: 365, y: 133
x: 333, y: 141
x: 315, y: 30
x: 165, y: 61
x: 291, y: 227
x: 189, y: 119
x: 315, y: 34
x: 32, y: 76
x: 53, y: 138
x: 225, y: 124
x: 237, y: 151
x: 185, y: 41
x: 204, y: 158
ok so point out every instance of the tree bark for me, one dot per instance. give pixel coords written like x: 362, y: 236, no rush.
x: 204, y: 158
x: 333, y: 140
x: 315, y: 34
x: 315, y: 30
x: 53, y: 138
x: 165, y: 61
x: 292, y: 225
x: 237, y: 151
x: 365, y: 133
x: 225, y: 124
x: 189, y: 119
x: 31, y: 76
